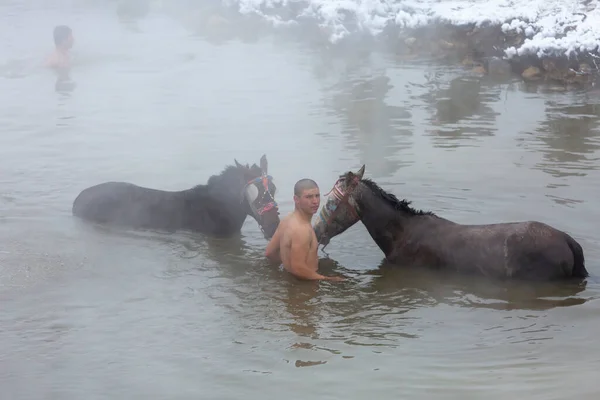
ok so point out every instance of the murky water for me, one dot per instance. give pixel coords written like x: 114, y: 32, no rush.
x: 92, y: 313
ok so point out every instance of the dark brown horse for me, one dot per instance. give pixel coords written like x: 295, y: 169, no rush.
x: 217, y: 208
x: 520, y: 250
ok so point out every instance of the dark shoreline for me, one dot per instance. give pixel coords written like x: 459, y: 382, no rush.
x: 482, y: 50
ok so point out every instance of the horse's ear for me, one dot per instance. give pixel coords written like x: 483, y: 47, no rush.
x: 360, y: 172
x: 237, y: 164
x: 264, y: 165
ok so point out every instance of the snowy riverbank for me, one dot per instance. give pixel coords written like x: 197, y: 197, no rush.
x: 540, y: 39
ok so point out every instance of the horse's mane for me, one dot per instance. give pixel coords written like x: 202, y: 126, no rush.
x: 226, y: 173
x: 392, y: 200
x: 229, y: 172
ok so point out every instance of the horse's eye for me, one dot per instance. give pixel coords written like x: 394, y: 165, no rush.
x: 251, y: 193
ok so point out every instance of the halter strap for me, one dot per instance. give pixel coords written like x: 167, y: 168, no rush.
x: 343, y: 199
x: 264, y: 179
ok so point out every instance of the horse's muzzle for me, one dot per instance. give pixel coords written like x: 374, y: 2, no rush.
x: 269, y: 222
x: 324, y: 240
x: 320, y: 233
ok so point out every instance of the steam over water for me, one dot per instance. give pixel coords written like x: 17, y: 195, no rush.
x: 167, y: 96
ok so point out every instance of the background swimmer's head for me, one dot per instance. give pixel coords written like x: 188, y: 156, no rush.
x: 63, y: 37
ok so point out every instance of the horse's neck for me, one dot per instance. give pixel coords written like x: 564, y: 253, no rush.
x: 218, y: 207
x: 386, y: 224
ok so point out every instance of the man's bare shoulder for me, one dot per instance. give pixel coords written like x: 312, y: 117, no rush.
x: 284, y: 224
x: 56, y: 60
x: 285, y: 220
x: 298, y: 228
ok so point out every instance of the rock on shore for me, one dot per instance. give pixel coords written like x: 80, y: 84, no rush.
x: 484, y: 49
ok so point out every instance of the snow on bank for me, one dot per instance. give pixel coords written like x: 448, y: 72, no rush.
x: 549, y: 26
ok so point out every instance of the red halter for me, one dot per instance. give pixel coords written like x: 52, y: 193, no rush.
x: 343, y: 198
x: 264, y: 179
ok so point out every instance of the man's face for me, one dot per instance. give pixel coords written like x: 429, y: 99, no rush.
x: 70, y: 41
x: 308, y: 201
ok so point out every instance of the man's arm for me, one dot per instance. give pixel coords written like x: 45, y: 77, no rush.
x: 300, y: 246
x: 273, y: 250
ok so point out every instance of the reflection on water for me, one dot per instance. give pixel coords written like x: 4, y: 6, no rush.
x: 359, y: 98
x: 97, y: 311
x: 567, y: 140
x: 462, y: 110
x: 570, y: 137
x: 379, y: 131
x: 64, y: 84
x: 433, y: 287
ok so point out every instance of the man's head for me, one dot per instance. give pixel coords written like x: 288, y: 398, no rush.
x: 307, y: 196
x: 63, y: 37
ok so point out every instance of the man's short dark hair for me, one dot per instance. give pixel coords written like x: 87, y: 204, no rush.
x: 304, y: 184
x: 61, y: 33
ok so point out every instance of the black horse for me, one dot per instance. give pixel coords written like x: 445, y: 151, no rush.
x: 218, y: 208
x: 528, y: 250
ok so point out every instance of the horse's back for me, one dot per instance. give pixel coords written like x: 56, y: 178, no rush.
x: 529, y: 250
x: 100, y: 201
x: 542, y: 251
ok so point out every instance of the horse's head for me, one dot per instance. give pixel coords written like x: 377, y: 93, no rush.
x: 259, y: 196
x: 340, y: 211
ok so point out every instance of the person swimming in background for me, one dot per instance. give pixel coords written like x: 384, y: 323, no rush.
x: 63, y: 40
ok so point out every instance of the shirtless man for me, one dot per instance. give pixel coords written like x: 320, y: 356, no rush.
x: 294, y: 243
x: 63, y: 40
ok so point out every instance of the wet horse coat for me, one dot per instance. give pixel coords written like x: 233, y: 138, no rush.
x: 520, y: 250
x: 218, y: 208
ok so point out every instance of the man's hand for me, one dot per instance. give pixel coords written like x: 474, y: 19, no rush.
x: 335, y: 278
